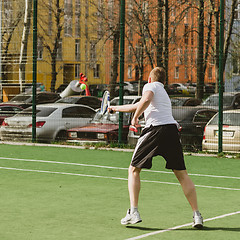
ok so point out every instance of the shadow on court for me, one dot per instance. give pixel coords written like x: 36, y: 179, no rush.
x: 144, y: 228
x: 188, y: 229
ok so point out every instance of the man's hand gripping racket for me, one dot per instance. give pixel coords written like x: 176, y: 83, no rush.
x: 134, y: 125
x: 106, y: 103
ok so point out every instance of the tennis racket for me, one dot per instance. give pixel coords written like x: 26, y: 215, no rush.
x: 105, y: 103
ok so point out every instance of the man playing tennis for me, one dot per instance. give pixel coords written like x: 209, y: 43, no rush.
x: 159, y: 137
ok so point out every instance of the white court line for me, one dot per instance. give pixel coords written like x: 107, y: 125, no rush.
x: 181, y: 226
x: 115, y: 178
x: 109, y: 167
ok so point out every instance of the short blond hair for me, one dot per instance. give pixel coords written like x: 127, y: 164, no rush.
x: 159, y: 74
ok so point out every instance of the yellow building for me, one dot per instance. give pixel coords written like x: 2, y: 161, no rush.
x: 75, y: 25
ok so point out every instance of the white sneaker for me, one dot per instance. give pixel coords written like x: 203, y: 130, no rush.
x: 131, y: 218
x: 197, y: 220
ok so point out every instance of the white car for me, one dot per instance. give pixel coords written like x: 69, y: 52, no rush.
x: 52, y: 122
x: 231, y: 132
x: 180, y: 88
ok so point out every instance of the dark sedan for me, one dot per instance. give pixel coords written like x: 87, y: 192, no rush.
x: 90, y: 101
x: 192, y: 121
x: 231, y: 100
x: 8, y: 110
x: 24, y: 100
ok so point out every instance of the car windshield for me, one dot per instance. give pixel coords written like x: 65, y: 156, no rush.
x: 213, y: 101
x: 177, y: 101
x: 68, y: 100
x: 110, y: 118
x: 40, y: 112
x: 20, y: 98
x: 231, y: 119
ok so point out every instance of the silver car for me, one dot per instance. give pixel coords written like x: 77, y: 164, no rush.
x: 52, y: 122
x: 230, y: 132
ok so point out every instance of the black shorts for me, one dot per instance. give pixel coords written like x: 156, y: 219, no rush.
x: 163, y: 140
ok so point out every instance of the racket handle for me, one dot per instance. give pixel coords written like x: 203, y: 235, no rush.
x: 111, y: 111
x: 133, y: 128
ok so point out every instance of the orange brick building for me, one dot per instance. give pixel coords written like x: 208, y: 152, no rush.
x: 142, y: 36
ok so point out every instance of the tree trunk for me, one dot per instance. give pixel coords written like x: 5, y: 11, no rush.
x: 165, y: 48
x: 54, y: 74
x: 159, y: 33
x: 24, y: 43
x: 200, y: 63
x: 115, y: 61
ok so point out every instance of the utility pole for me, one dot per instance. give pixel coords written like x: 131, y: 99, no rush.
x: 121, y: 77
x: 220, y: 85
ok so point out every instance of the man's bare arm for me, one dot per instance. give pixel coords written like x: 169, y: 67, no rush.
x: 142, y: 105
x: 124, y: 108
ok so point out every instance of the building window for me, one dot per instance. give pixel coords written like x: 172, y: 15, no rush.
x: 186, y: 33
x: 130, y: 54
x: 96, y: 71
x: 179, y: 56
x: 39, y: 49
x: 186, y: 56
x: 77, y: 49
x: 77, y: 18
x: 59, y: 50
x: 176, y: 73
x: 68, y: 14
x: 93, y: 54
x: 237, y: 11
x: 50, y: 17
x: 129, y: 71
x: 236, y: 64
x: 186, y: 73
x: 210, y: 73
x: 192, y: 36
x: 77, y: 70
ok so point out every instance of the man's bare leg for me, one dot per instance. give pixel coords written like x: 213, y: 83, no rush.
x: 134, y: 185
x: 133, y: 215
x: 188, y: 188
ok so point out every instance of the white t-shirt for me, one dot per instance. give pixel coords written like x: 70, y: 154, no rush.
x: 159, y: 111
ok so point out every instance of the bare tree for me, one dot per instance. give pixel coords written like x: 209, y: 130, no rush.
x: 10, y: 23
x: 50, y: 31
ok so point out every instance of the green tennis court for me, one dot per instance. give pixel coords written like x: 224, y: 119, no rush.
x: 65, y: 193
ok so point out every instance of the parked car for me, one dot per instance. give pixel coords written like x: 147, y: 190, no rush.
x: 231, y: 100
x: 126, y: 100
x: 90, y: 101
x: 230, y: 133
x: 24, y: 100
x: 97, y: 90
x: 52, y: 122
x: 62, y: 87
x: 104, y: 128
x: 8, y: 110
x: 128, y: 89
x: 136, y: 84
x: 192, y: 121
x: 177, y: 88
x: 185, y: 101
x: 209, y: 87
x: 237, y: 89
x: 191, y: 87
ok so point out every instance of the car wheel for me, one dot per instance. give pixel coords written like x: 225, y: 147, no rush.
x: 61, y: 136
